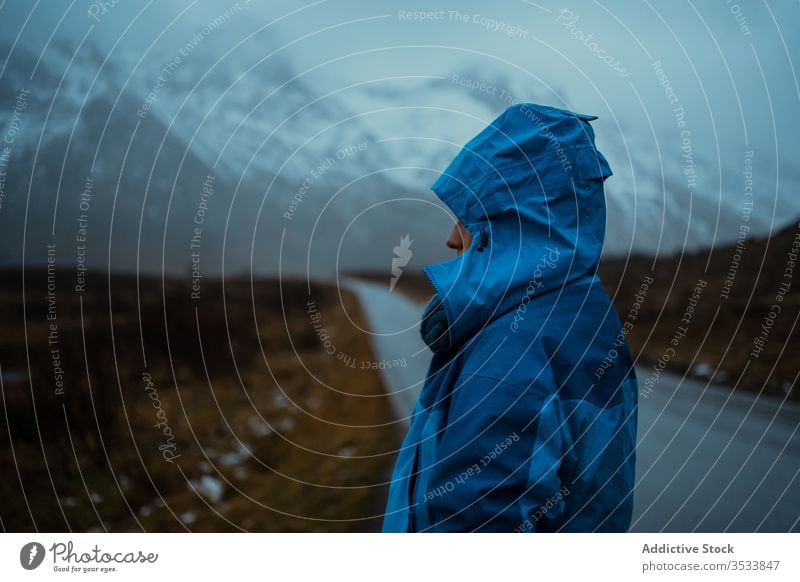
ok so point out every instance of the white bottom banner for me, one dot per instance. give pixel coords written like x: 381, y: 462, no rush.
x: 352, y: 557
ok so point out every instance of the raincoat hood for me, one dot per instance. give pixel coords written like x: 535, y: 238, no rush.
x: 529, y: 189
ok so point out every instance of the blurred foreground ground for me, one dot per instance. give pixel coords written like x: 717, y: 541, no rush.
x: 134, y: 406
x: 247, y: 418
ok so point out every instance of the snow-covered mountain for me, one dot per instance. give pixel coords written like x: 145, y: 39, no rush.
x: 300, y: 179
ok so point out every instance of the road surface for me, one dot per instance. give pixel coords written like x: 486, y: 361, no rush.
x: 711, y: 460
x: 708, y: 459
x: 394, y: 322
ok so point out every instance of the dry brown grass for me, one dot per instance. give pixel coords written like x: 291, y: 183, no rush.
x: 293, y: 449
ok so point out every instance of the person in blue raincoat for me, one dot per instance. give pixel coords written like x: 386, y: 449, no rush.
x: 527, y: 419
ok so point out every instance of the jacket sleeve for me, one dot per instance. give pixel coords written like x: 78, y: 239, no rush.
x: 498, y: 460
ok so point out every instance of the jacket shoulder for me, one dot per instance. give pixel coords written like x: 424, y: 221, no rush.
x: 572, y: 345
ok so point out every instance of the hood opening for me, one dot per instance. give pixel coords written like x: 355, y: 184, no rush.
x: 529, y: 188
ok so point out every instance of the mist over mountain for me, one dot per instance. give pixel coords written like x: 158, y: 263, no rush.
x: 300, y: 179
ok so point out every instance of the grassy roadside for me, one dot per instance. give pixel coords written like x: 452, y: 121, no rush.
x: 210, y: 419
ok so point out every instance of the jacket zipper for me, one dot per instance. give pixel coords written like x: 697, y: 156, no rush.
x: 484, y: 240
x: 412, y: 484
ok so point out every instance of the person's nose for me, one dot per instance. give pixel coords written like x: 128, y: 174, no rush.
x: 454, y: 241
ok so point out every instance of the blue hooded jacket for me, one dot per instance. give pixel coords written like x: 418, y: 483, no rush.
x: 527, y: 419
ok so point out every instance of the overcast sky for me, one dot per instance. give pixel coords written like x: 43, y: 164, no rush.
x: 728, y: 64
